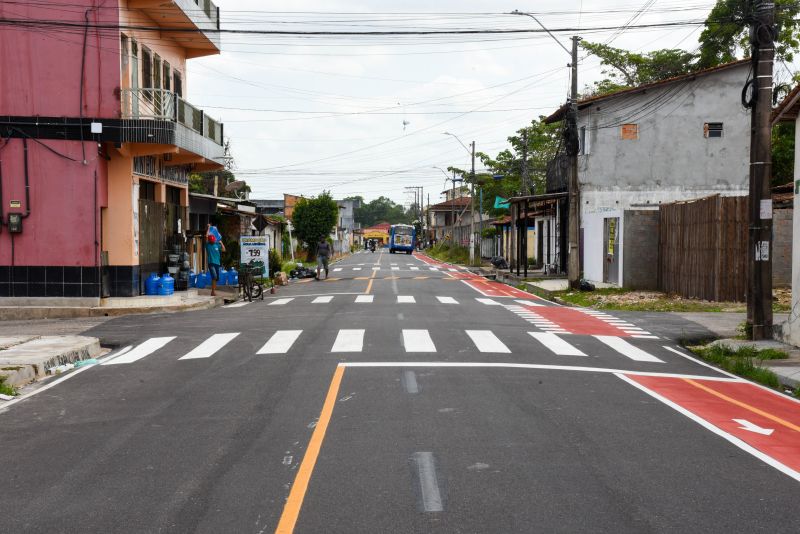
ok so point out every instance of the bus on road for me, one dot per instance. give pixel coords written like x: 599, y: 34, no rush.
x: 402, y: 238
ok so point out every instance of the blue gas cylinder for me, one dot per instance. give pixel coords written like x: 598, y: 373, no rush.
x: 200, y: 280
x: 151, y: 284
x: 223, y: 277
x: 233, y: 277
x: 167, y: 286
x: 192, y: 279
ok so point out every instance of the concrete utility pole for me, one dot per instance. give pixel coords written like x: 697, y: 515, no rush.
x: 574, y: 265
x: 472, y: 211
x: 526, y: 189
x: 759, y: 288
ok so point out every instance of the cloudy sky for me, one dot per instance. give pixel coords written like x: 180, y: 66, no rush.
x: 365, y: 115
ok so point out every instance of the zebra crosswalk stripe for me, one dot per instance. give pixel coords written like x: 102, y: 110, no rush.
x: 628, y: 350
x: 281, y: 302
x: 210, y: 346
x: 365, y: 298
x: 280, y: 342
x: 237, y: 304
x: 488, y: 302
x: 406, y: 299
x: 556, y: 344
x: 418, y: 341
x: 447, y: 300
x: 486, y: 341
x: 349, y: 341
x: 144, y: 349
x: 322, y: 300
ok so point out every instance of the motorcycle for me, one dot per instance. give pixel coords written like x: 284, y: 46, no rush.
x: 301, y: 271
x: 372, y: 247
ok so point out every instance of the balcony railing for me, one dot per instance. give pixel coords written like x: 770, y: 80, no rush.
x: 160, y: 104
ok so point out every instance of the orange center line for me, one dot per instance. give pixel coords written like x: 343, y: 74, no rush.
x: 291, y: 510
x: 744, y: 405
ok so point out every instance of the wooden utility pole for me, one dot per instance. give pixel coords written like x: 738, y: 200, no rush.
x: 573, y: 265
x: 472, y: 210
x: 759, y: 288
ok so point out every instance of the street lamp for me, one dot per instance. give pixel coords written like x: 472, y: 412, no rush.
x: 472, y: 199
x: 571, y: 138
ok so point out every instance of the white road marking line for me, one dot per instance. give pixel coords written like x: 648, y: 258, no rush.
x: 486, y: 341
x: 280, y: 342
x: 453, y: 270
x: 418, y: 341
x: 415, y: 268
x: 628, y: 350
x: 406, y: 299
x: 113, y: 355
x: 502, y: 365
x: 349, y: 341
x: 376, y: 268
x: 142, y: 350
x: 365, y: 298
x: 718, y: 431
x: 447, y: 300
x: 529, y: 303
x: 395, y: 268
x: 556, y: 344
x: 237, y: 304
x: 280, y: 302
x: 637, y: 336
x: 433, y: 268
x: 210, y: 346
x: 429, y: 485
x: 337, y: 269
x: 356, y: 268
x: 488, y: 302
x: 322, y: 300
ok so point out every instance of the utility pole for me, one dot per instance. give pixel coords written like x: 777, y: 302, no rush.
x: 574, y: 266
x: 453, y: 211
x: 526, y: 189
x: 759, y: 288
x: 472, y: 211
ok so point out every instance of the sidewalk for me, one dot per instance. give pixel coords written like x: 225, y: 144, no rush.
x: 27, y: 358
x: 193, y: 299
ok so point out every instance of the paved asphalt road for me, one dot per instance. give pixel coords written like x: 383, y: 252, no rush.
x: 400, y: 404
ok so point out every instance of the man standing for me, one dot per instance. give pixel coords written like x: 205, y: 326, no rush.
x: 323, y: 254
x: 213, y: 248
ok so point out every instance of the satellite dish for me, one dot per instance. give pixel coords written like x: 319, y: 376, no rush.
x: 235, y: 186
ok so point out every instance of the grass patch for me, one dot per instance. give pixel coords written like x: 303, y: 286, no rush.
x: 449, y: 253
x: 630, y: 300
x: 745, y: 361
x: 5, y: 389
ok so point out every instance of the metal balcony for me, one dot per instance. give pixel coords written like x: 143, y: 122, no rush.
x: 191, y: 129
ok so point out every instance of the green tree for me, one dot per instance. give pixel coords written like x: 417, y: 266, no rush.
x: 314, y: 218
x: 381, y: 209
x: 783, y: 153
x: 203, y: 183
x: 623, y: 68
x: 727, y: 31
x: 509, y: 164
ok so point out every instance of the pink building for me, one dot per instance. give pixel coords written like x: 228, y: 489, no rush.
x: 97, y: 142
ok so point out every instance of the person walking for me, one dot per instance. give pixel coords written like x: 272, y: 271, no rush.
x: 213, y: 248
x: 323, y: 254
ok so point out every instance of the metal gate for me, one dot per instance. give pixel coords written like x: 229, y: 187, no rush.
x: 611, y: 248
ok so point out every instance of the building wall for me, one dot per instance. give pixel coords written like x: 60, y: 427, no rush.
x: 42, y: 69
x: 641, y: 260
x: 671, y: 159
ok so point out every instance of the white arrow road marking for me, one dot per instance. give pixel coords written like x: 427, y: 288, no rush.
x: 747, y: 425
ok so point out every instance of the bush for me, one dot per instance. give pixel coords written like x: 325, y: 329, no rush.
x: 449, y: 252
x: 274, y: 261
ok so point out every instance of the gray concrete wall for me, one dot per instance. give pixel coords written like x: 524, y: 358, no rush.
x: 782, y: 247
x: 640, y: 239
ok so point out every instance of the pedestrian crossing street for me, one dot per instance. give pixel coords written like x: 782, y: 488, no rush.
x: 282, y: 342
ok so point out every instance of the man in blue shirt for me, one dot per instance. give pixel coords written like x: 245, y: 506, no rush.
x: 213, y: 248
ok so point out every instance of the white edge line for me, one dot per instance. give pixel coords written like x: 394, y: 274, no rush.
x: 740, y: 379
x: 716, y: 430
x: 476, y: 289
x: 111, y: 356
x: 45, y: 388
x: 534, y: 366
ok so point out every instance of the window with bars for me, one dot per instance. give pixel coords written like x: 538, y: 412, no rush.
x: 712, y: 129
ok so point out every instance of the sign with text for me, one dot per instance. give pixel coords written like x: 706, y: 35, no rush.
x: 255, y: 253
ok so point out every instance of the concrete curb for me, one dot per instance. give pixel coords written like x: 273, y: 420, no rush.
x: 28, y: 361
x: 9, y: 313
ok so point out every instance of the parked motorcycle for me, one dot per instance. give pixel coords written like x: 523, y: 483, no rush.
x: 301, y: 271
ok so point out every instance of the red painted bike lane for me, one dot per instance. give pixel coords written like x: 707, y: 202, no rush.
x: 758, y: 421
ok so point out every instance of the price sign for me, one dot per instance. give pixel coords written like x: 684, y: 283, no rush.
x: 254, y: 252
